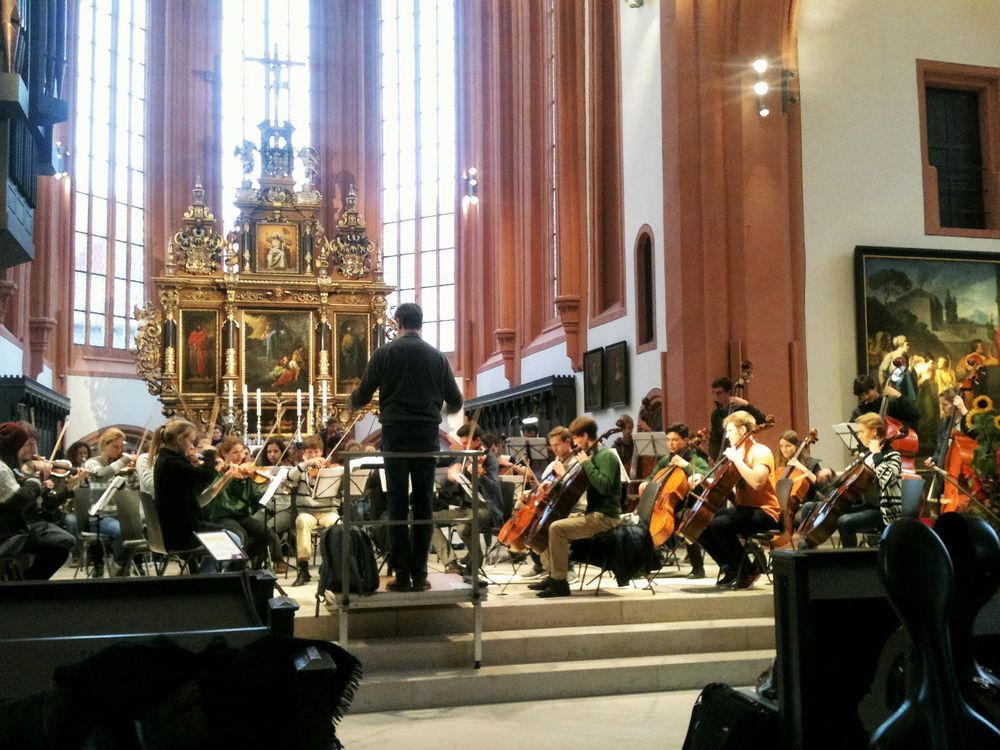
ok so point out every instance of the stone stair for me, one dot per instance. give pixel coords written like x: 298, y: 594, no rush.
x: 622, y: 641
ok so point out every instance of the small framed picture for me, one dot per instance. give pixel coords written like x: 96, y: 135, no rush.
x: 277, y: 248
x: 616, y: 374
x: 593, y: 380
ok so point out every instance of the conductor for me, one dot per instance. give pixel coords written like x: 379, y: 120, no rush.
x: 413, y: 379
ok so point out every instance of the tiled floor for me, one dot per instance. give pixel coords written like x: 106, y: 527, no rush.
x: 649, y: 720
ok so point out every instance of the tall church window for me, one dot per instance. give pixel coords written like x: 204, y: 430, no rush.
x: 419, y: 170
x: 259, y: 34
x: 109, y: 172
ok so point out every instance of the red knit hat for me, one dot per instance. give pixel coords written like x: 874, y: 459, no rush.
x: 12, y: 437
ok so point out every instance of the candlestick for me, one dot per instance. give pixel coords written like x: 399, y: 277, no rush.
x: 258, y: 417
x: 229, y: 385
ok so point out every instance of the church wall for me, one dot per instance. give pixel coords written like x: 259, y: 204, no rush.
x: 11, y: 358
x: 100, y: 402
x: 861, y: 158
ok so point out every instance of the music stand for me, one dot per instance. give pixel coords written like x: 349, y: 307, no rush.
x: 848, y: 432
x: 523, y: 449
x: 651, y: 444
x: 221, y: 546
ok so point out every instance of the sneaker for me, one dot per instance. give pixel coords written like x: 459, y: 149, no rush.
x: 557, y: 588
x: 541, y: 585
x: 696, y: 574
x: 728, y: 578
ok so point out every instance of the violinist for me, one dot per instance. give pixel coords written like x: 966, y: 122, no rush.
x: 110, y: 461
x: 180, y: 473
x: 887, y: 463
x: 695, y: 467
x: 279, y: 511
x: 77, y: 454
x: 314, y: 501
x: 490, y: 513
x: 953, y: 413
x: 603, y: 470
x: 21, y: 531
x: 953, y: 417
x: 725, y: 404
x: 234, y: 505
x: 755, y: 505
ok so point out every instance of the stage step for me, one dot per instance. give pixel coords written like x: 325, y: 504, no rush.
x: 391, y: 691
x: 581, y: 642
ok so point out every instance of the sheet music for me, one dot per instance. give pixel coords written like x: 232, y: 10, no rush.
x: 651, y: 444
x: 221, y: 546
x: 328, y: 482
x: 373, y: 462
x: 102, y: 502
x: 848, y: 432
x: 532, y: 449
x: 276, y: 481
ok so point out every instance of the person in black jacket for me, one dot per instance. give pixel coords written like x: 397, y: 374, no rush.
x: 179, y: 476
x: 413, y: 379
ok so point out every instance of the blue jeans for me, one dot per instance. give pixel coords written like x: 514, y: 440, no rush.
x: 860, y: 518
x: 410, y: 545
x: 109, y: 528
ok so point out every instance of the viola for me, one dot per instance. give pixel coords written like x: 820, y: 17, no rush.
x: 557, y: 502
x: 717, y: 486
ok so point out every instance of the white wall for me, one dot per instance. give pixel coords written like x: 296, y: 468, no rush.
x: 11, y: 358
x: 861, y: 159
x: 97, y: 403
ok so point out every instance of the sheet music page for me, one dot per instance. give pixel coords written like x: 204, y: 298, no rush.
x: 102, y: 502
x: 328, y: 482
x: 276, y: 481
x: 221, y: 546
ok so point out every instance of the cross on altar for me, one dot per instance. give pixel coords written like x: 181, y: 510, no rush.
x: 273, y: 66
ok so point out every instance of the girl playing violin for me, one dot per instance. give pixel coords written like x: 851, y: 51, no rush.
x: 110, y: 461
x: 234, y: 506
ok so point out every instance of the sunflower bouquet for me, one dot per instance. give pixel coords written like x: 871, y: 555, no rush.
x: 984, y: 419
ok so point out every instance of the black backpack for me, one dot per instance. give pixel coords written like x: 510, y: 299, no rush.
x: 363, y: 571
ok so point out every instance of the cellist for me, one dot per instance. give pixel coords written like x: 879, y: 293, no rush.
x: 755, y: 506
x: 695, y: 467
x: 887, y: 463
x: 603, y: 470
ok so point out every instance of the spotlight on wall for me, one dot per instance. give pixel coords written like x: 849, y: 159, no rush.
x: 471, y: 178
x: 634, y: 3
x: 59, y: 154
x: 760, y: 87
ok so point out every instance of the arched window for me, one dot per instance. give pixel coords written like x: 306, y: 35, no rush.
x: 645, y: 291
x: 108, y: 172
x: 418, y: 164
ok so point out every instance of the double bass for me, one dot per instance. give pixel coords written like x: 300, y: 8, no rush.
x: 717, y: 485
x: 552, y: 500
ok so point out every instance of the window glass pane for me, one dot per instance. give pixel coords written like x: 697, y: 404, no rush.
x: 133, y: 330
x: 407, y: 237
x: 139, y: 13
x: 135, y: 296
x: 429, y: 301
x: 406, y: 272
x: 446, y: 336
x: 446, y: 225
x: 138, y: 189
x: 428, y: 265
x: 390, y: 237
x: 99, y: 185
x: 81, y: 172
x: 121, y: 259
x: 138, y: 153
x: 98, y: 255
x: 120, y: 300
x: 430, y: 333
x: 81, y: 212
x: 79, y: 291
x: 137, y: 224
x: 121, y: 183
x: 447, y: 299
x: 446, y: 267
x: 80, y: 252
x: 138, y: 122
x: 138, y: 265
x: 390, y: 203
x: 99, y: 221
x: 118, y: 337
x: 121, y: 219
x: 79, y: 327
x: 389, y: 266
x: 97, y: 292
x: 96, y: 330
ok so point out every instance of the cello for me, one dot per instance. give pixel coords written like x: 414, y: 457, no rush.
x: 795, y: 487
x: 556, y: 501
x: 666, y: 491
x: 717, y: 485
x: 907, y: 442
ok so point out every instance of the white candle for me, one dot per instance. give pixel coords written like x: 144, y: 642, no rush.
x: 324, y: 395
x: 230, y: 386
x: 312, y: 405
x: 245, y: 408
x: 298, y: 404
x: 258, y: 404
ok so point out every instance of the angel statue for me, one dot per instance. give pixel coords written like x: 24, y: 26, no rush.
x: 310, y: 163
x: 245, y: 152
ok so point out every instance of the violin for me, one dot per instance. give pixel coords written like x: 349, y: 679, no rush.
x: 717, y: 485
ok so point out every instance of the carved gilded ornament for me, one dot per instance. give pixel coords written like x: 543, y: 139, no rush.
x: 350, y: 250
x: 149, y: 345
x: 198, y: 248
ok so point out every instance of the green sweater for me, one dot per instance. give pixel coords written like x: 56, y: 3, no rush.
x: 696, y: 464
x: 238, y: 499
x: 604, y: 473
